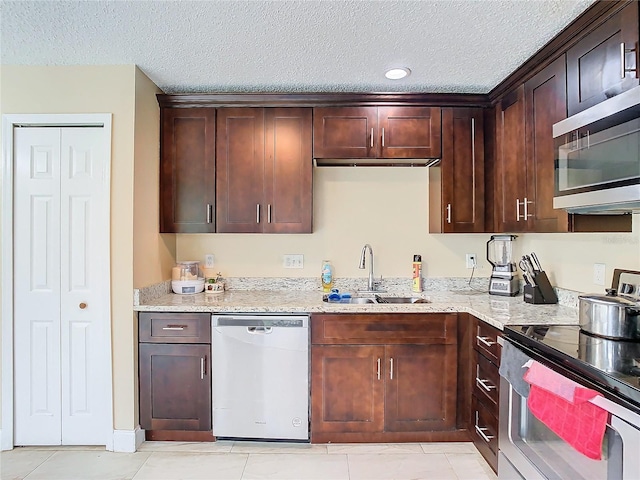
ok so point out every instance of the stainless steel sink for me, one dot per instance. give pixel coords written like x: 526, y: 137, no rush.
x: 379, y: 300
x: 401, y: 300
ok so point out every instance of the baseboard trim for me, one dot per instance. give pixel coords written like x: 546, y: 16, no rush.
x: 127, y: 441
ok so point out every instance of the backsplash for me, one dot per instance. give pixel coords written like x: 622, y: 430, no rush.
x: 398, y: 285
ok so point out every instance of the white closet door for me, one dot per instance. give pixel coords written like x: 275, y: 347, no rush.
x: 60, y: 323
x: 83, y: 326
x: 37, y: 287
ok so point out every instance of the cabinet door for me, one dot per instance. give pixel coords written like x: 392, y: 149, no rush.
x: 421, y: 386
x: 546, y: 104
x: 460, y: 174
x: 345, y: 132
x: 409, y: 132
x: 347, y: 392
x: 240, y: 170
x: 175, y: 387
x: 595, y: 64
x: 187, y: 170
x: 288, y: 170
x: 510, y: 163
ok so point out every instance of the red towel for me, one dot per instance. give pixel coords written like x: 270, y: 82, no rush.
x: 564, y: 407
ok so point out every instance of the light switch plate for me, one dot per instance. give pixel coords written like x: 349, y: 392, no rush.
x: 599, y: 270
x: 293, y: 261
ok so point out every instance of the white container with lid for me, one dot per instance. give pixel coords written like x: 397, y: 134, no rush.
x: 187, y: 287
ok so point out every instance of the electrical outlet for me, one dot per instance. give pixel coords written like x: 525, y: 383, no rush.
x: 293, y: 261
x: 599, y: 270
x: 208, y: 260
x: 470, y: 259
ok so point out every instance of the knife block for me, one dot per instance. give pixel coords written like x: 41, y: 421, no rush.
x: 542, y: 292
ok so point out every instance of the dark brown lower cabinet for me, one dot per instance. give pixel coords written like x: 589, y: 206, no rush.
x: 384, y: 378
x: 485, y: 398
x: 175, y: 378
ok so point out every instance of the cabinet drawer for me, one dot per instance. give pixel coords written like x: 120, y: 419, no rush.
x: 174, y: 327
x: 486, y: 341
x: 484, y: 432
x: 375, y: 329
x: 487, y: 382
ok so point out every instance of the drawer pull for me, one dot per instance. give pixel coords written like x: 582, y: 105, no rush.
x: 480, y: 431
x: 174, y: 327
x: 378, y: 368
x: 482, y: 382
x: 391, y: 370
x: 485, y: 341
x: 485, y: 384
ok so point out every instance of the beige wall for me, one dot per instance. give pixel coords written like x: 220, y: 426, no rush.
x: 153, y: 254
x: 388, y: 208
x: 115, y: 90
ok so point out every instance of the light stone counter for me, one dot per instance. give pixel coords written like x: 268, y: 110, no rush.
x: 495, y: 310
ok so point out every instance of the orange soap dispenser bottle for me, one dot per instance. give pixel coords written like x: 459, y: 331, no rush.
x: 417, y: 274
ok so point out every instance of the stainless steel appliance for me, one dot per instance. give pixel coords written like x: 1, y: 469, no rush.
x: 530, y: 450
x: 260, y: 370
x: 614, y: 315
x: 598, y: 157
x: 504, y: 277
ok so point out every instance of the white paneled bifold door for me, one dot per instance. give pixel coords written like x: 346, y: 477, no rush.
x: 60, y: 384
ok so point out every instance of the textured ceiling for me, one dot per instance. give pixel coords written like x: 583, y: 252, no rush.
x: 289, y: 46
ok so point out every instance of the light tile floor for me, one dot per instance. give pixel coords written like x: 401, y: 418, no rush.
x: 225, y: 460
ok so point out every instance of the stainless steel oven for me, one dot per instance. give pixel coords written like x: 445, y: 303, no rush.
x: 530, y: 450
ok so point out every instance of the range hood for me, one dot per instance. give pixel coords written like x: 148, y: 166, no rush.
x: 375, y: 162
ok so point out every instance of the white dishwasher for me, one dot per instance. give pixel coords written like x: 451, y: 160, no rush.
x: 260, y: 370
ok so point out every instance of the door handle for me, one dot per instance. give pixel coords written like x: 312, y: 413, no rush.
x: 203, y: 367
x: 209, y: 213
x: 378, y: 368
x: 257, y: 213
x: 448, y: 213
x: 383, y: 136
x: 391, y: 370
x: 82, y: 305
x: 372, y: 138
x: 623, y: 62
x: 260, y: 330
x: 269, y: 213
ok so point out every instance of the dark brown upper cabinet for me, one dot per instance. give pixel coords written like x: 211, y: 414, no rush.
x: 376, y: 132
x: 187, y: 170
x: 605, y: 62
x: 525, y: 153
x: 264, y: 170
x: 456, y: 184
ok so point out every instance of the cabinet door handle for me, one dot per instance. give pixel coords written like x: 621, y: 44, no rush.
x: 473, y: 149
x: 383, y: 136
x: 517, y: 209
x: 485, y: 341
x: 526, y: 209
x: 203, y: 367
x: 269, y: 213
x: 258, y: 213
x: 391, y: 370
x: 378, y: 368
x: 481, y: 430
x: 209, y: 213
x: 371, y: 137
x: 448, y: 213
x: 174, y: 327
x: 623, y: 62
x: 481, y: 382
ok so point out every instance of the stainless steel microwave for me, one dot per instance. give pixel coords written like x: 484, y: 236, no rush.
x: 597, y: 151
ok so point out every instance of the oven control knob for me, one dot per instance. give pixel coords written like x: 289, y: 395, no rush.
x: 626, y: 288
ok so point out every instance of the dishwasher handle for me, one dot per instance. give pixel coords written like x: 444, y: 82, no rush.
x: 259, y: 330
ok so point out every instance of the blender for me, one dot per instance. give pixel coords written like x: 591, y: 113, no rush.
x: 504, y: 279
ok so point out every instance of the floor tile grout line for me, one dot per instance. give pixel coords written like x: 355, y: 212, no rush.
x: 143, y: 464
x: 40, y: 464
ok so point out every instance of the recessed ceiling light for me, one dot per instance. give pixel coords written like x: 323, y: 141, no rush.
x: 397, y: 73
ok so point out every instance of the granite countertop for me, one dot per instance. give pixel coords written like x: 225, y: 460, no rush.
x: 495, y: 310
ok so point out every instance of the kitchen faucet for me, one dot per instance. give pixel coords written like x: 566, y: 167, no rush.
x: 371, y: 287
